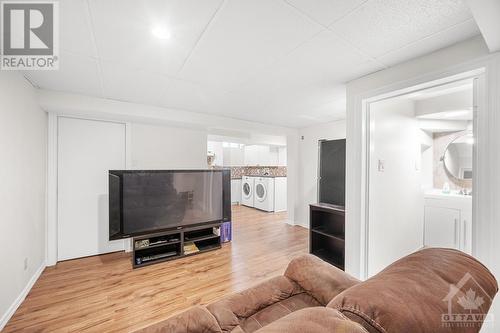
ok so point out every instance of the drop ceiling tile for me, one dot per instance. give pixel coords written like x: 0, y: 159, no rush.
x: 381, y: 26
x: 326, y: 11
x: 324, y: 60
x: 75, y: 28
x: 305, y: 85
x: 457, y: 33
x: 244, y: 36
x: 130, y: 85
x: 76, y: 74
x: 123, y: 31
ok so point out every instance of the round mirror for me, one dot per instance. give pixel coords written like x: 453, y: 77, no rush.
x: 457, y: 157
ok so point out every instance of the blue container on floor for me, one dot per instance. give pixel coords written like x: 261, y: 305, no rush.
x: 226, y: 232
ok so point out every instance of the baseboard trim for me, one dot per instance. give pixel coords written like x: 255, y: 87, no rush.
x: 302, y: 224
x: 19, y: 300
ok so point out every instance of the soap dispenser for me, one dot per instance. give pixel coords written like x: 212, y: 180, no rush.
x: 446, y: 188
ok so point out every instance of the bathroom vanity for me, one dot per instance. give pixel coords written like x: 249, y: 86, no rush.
x: 448, y: 220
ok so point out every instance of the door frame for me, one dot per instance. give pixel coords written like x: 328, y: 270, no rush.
x: 478, y: 75
x: 51, y: 225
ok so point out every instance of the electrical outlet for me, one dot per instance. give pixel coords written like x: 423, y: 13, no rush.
x: 25, y: 263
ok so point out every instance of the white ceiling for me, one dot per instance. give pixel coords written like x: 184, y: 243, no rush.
x: 282, y: 62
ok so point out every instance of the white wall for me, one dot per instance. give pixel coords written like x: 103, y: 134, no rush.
x: 282, y: 156
x: 427, y: 160
x: 163, y: 147
x: 292, y: 174
x: 396, y: 199
x: 308, y: 164
x: 23, y: 147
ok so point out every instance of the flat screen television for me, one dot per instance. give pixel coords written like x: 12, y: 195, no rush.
x: 149, y: 201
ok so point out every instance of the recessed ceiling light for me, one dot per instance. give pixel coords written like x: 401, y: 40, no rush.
x: 161, y: 32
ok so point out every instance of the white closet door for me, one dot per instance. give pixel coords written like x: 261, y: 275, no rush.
x: 87, y: 149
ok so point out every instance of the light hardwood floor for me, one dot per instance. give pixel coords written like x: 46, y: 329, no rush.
x: 103, y: 293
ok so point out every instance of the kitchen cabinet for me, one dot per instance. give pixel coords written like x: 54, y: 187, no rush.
x: 252, y: 155
x: 442, y: 227
x: 448, y: 221
x: 233, y: 156
x: 261, y: 155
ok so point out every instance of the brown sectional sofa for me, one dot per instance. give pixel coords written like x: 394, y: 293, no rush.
x: 307, y: 282
x: 314, y: 297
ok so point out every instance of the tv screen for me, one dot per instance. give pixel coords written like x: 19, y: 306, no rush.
x: 150, y: 201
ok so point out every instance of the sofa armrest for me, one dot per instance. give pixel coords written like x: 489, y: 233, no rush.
x: 313, y: 320
x: 318, y: 278
x: 195, y: 320
x: 424, y: 290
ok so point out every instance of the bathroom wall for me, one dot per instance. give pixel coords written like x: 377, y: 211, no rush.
x: 441, y: 141
x: 426, y: 159
x: 395, y: 183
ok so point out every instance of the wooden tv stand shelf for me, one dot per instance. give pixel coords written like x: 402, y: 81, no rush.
x: 327, y: 233
x: 174, y: 244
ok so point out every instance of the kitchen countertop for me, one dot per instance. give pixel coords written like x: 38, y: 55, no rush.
x: 264, y: 176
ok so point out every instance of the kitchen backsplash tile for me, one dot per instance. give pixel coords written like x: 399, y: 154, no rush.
x: 276, y: 171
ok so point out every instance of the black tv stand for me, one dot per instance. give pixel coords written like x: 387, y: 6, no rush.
x: 163, y: 246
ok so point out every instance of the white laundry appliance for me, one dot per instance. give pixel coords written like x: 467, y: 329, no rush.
x: 264, y: 193
x: 247, y: 191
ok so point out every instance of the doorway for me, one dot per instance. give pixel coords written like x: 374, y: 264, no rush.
x: 420, y: 172
x: 331, y: 172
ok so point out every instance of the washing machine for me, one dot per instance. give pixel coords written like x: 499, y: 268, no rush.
x: 247, y: 190
x: 264, y: 193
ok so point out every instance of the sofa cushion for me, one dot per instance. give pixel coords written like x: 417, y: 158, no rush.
x: 195, y: 320
x: 318, y: 278
x: 313, y: 320
x: 260, y: 305
x: 416, y: 293
x: 276, y: 311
